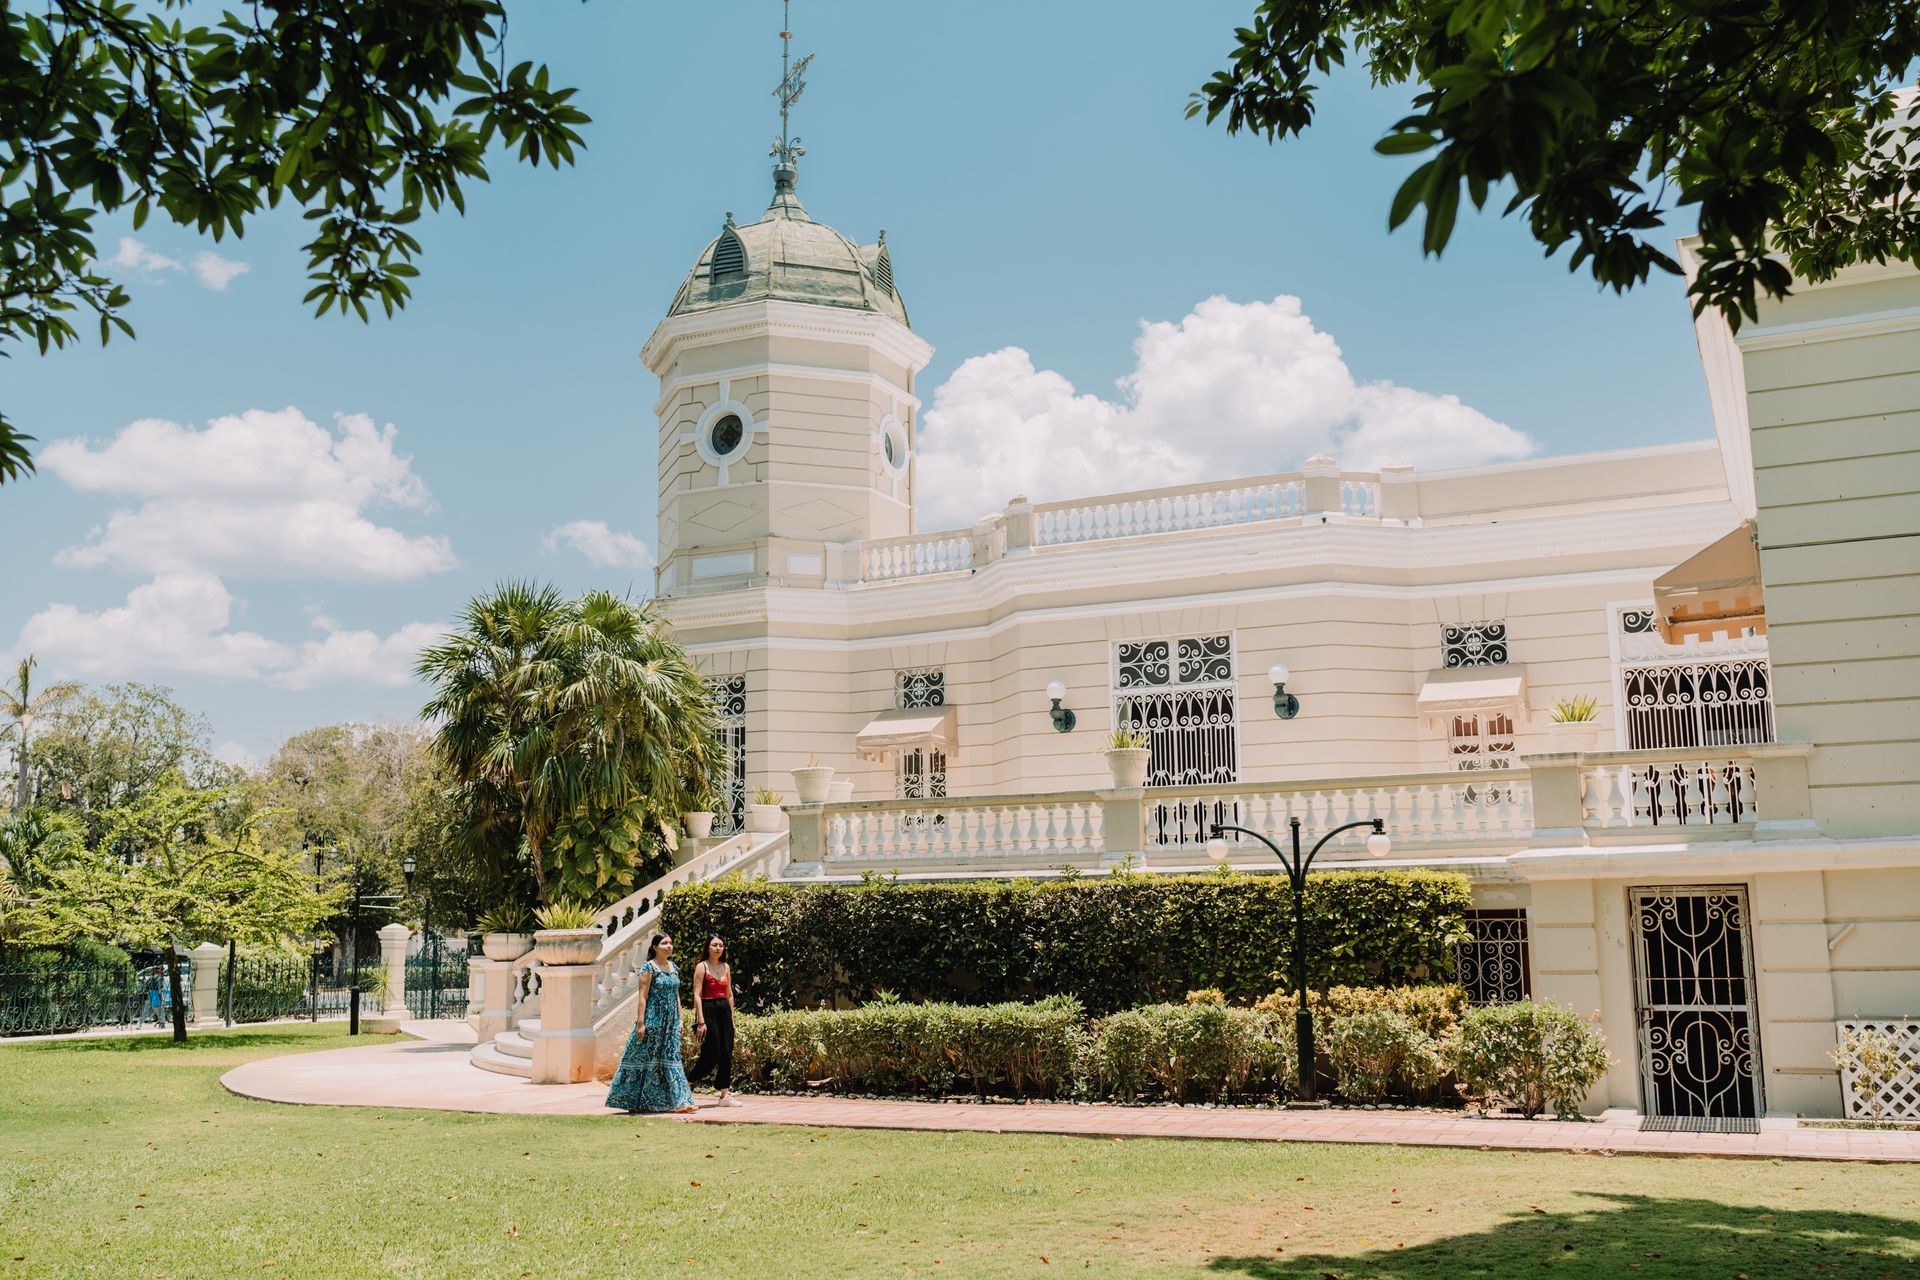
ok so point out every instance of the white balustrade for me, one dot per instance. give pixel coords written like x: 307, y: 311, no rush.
x: 1065, y: 827
x: 1359, y: 494
x: 1421, y: 812
x: 917, y: 556
x: 1704, y: 789
x: 1130, y: 516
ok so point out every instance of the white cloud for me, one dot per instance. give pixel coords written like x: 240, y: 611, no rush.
x: 238, y: 755
x: 216, y: 272
x: 601, y: 545
x: 180, y: 624
x: 265, y: 493
x: 1233, y: 389
x: 136, y: 257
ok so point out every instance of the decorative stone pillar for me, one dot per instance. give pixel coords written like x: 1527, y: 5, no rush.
x: 1399, y: 495
x: 1017, y: 523
x: 1320, y: 477
x: 393, y: 958
x: 806, y: 833
x: 203, y: 1004
x: 989, y: 541
x: 1780, y: 783
x: 563, y: 1043
x: 1559, y: 816
x: 490, y: 996
x: 1122, y: 825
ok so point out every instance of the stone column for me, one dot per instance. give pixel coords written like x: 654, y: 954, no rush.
x: 491, y: 996
x: 1122, y: 822
x: 1559, y: 817
x: 806, y: 836
x: 393, y: 958
x: 1399, y: 497
x: 203, y: 1004
x: 1321, y: 477
x: 563, y: 1043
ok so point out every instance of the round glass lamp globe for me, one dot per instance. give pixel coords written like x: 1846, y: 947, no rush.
x: 1278, y: 673
x: 1056, y: 691
x: 1217, y: 849
x: 1378, y: 845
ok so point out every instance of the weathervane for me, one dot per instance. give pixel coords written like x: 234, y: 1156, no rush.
x: 787, y: 150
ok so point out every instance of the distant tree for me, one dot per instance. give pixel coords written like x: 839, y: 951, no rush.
x: 364, y: 113
x: 571, y: 728
x: 34, y: 843
x: 191, y: 872
x: 113, y: 744
x: 21, y: 706
x: 1775, y: 119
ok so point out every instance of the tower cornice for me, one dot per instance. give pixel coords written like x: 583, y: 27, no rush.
x: 779, y: 319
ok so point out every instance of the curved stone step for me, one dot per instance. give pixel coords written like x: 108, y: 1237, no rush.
x: 516, y: 1044
x: 489, y: 1058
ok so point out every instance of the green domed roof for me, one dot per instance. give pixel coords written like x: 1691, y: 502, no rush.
x: 788, y: 257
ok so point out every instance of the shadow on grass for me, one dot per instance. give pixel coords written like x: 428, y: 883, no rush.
x: 209, y: 1038
x: 1628, y: 1235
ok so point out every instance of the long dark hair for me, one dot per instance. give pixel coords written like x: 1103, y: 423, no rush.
x: 653, y: 944
x: 706, y: 952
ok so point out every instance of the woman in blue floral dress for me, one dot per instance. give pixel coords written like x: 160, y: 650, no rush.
x: 651, y: 1077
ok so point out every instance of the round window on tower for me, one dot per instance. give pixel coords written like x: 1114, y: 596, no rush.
x: 725, y: 435
x: 893, y: 444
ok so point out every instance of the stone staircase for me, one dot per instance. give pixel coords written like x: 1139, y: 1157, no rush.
x: 510, y: 1053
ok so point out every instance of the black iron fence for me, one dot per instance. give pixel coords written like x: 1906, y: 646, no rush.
x: 437, y: 979
x: 266, y: 988
x: 43, y: 999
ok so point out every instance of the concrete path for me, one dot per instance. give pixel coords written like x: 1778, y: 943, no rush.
x: 433, y: 1073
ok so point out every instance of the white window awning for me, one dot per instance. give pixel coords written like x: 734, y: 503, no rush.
x: 1712, y: 593
x: 1452, y: 691
x: 891, y: 732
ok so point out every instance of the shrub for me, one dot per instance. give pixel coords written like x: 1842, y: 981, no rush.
x: 1201, y: 1051
x: 1435, y: 1008
x: 1108, y: 942
x: 1375, y: 1050
x: 1530, y: 1056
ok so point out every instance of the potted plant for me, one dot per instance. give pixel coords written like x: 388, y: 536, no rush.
x: 812, y: 781
x: 698, y: 824
x: 1127, y: 754
x: 840, y: 790
x: 763, y: 815
x: 1575, y: 723
x: 568, y: 933
x: 506, y: 932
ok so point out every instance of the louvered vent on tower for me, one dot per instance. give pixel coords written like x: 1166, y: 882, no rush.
x: 883, y: 270
x: 729, y: 256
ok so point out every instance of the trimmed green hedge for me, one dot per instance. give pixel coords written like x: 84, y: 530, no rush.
x: 1109, y: 943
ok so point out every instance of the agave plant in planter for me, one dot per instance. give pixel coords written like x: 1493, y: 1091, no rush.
x: 763, y: 815
x: 813, y: 781
x: 506, y: 932
x: 1575, y: 723
x: 1127, y: 753
x: 568, y: 933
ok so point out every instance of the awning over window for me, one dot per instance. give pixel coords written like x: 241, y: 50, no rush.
x: 1452, y: 691
x: 890, y: 732
x: 1714, y: 592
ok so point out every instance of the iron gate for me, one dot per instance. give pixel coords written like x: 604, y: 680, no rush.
x: 729, y: 695
x: 1699, y: 1045
x: 437, y: 978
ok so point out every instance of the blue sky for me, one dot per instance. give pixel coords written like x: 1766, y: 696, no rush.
x: 1040, y: 188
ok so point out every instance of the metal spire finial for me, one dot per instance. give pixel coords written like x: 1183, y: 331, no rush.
x: 787, y: 150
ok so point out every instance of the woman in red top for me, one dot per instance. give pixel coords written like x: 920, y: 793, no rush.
x: 713, y: 1020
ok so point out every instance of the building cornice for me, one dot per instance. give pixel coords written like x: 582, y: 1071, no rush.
x: 672, y: 387
x: 777, y: 319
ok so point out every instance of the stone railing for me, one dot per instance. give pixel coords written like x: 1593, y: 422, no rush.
x: 1359, y: 494
x: 1694, y: 788
x: 917, y: 556
x: 1045, y: 829
x: 1423, y: 812
x: 1168, y: 511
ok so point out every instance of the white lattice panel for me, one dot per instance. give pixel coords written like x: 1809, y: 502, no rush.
x: 1896, y: 1097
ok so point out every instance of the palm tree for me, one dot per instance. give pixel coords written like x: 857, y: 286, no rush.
x: 548, y: 707
x: 22, y: 705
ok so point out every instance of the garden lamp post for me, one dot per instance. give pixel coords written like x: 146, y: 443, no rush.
x: 1297, y: 867
x: 428, y: 942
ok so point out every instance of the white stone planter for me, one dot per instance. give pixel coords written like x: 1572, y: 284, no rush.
x: 698, y: 826
x: 1576, y: 735
x: 839, y: 791
x: 505, y: 946
x: 812, y: 783
x: 1129, y: 767
x: 766, y: 819
x: 568, y: 946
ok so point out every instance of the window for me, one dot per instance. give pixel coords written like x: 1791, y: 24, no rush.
x: 1492, y: 963
x: 918, y: 687
x: 724, y: 436
x: 1700, y: 694
x: 1180, y: 693
x: 892, y: 434
x: 1482, y: 742
x: 921, y: 774
x: 1474, y: 644
x: 729, y: 694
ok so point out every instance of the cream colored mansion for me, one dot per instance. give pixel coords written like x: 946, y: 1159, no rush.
x: 1723, y: 866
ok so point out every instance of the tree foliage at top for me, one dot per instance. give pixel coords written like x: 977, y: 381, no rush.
x: 362, y: 113
x: 1776, y: 120
x: 574, y: 729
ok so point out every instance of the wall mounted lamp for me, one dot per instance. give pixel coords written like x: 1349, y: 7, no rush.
x: 1063, y: 717
x: 1285, y: 705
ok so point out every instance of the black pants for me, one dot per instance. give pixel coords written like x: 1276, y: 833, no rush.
x: 716, y: 1048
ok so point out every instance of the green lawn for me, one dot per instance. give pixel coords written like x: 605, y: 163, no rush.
x: 125, y: 1158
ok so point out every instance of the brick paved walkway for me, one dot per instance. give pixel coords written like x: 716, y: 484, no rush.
x: 434, y: 1074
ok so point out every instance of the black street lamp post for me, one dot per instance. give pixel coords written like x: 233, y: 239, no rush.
x: 428, y: 942
x: 1297, y: 867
